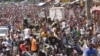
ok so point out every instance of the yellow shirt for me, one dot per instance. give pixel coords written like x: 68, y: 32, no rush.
x: 43, y: 34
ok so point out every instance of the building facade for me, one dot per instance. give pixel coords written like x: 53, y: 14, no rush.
x: 36, y: 1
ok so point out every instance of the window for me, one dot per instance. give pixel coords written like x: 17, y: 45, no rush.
x: 3, y: 31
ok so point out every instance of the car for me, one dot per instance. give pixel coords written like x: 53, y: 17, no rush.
x: 3, y: 31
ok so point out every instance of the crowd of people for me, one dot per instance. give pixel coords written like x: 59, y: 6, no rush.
x: 31, y: 35
x: 16, y: 12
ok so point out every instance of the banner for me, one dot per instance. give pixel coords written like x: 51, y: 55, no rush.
x: 65, y: 0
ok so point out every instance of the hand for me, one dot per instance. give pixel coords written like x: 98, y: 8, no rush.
x: 23, y: 52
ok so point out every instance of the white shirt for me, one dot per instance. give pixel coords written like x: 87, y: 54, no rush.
x: 98, y: 36
x: 67, y: 30
x: 26, y: 33
x: 6, y: 44
x: 63, y: 25
x: 85, y: 47
x: 98, y: 30
x: 82, y: 31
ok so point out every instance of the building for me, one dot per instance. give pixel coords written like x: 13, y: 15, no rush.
x: 36, y: 1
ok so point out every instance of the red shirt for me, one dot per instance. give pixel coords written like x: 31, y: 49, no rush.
x: 23, y: 48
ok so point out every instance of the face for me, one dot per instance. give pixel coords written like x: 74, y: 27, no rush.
x: 24, y: 43
x: 90, y: 46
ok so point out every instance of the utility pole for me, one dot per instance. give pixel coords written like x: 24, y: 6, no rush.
x: 88, y: 4
x: 88, y: 15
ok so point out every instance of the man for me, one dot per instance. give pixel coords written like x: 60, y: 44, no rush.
x: 54, y: 42
x: 94, y: 40
x: 91, y: 51
x: 6, y: 47
x: 24, y: 49
x: 34, y: 46
x: 27, y: 33
x: 77, y: 48
x: 27, y: 36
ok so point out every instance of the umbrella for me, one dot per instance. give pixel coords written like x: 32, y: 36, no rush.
x: 94, y: 8
x: 97, y: 8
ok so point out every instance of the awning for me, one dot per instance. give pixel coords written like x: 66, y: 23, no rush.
x: 41, y: 4
x: 97, y: 8
x: 94, y: 8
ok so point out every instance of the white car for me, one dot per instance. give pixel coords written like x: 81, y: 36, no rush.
x: 3, y: 31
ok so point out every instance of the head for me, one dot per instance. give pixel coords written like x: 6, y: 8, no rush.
x: 34, y: 36
x: 23, y: 42
x: 51, y: 33
x: 90, y: 45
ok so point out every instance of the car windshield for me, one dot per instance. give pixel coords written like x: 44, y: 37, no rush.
x: 3, y: 31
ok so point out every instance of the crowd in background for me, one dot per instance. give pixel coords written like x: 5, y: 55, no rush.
x: 14, y: 13
x: 31, y: 35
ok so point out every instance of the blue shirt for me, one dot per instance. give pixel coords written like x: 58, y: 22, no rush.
x: 91, y: 52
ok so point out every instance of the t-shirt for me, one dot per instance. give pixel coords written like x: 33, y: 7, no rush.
x: 85, y: 47
x: 44, y: 34
x: 91, y: 52
x: 63, y: 25
x: 82, y: 31
x: 53, y: 40
x: 94, y: 40
x: 67, y: 30
x: 5, y: 43
x: 26, y: 33
x: 33, y: 45
x: 23, y: 48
